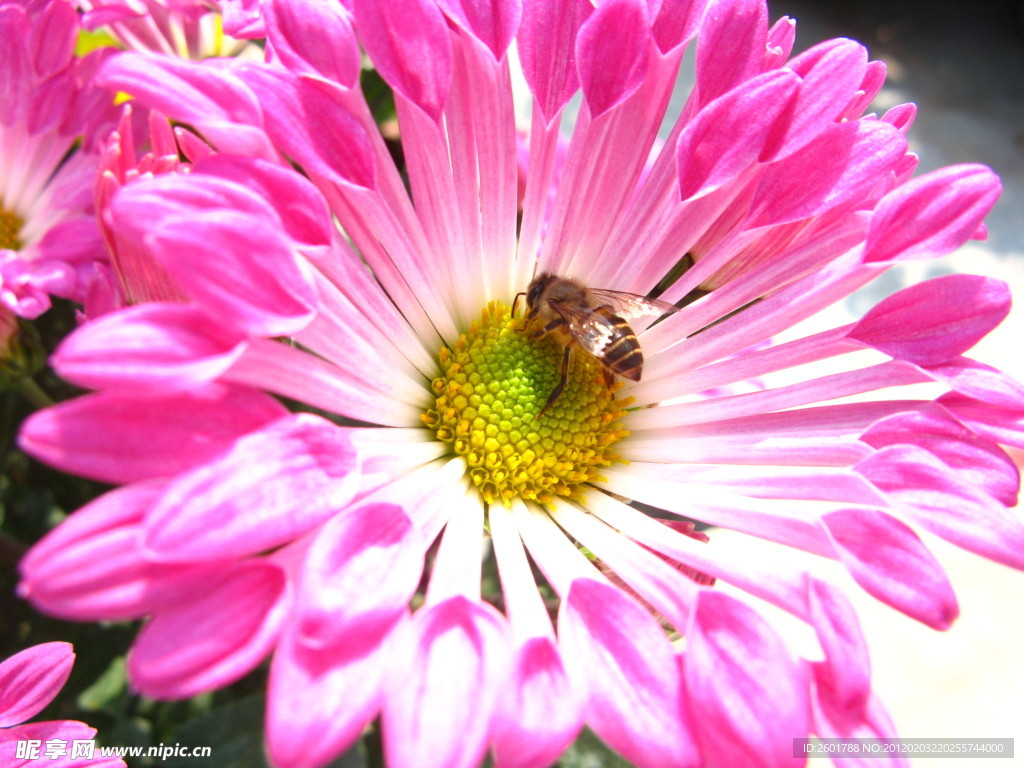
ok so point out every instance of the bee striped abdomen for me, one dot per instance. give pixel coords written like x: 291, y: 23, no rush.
x: 622, y: 355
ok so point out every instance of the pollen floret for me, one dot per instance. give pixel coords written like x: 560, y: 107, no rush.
x: 10, y: 230
x: 495, y: 383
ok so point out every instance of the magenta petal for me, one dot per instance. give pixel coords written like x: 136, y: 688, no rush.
x: 730, y: 46
x: 974, y: 461
x: 749, y: 695
x: 677, y: 22
x: 117, y: 439
x: 358, y: 578
x: 309, y: 125
x: 613, y: 644
x: 300, y: 206
x: 547, y: 48
x: 222, y: 633
x: 540, y: 711
x: 152, y: 347
x: 243, y: 19
x: 29, y: 680
x: 729, y: 135
x: 931, y: 215
x: 977, y: 380
x: 239, y: 267
x: 1003, y: 425
x: 185, y: 90
x: 492, y: 22
x: 92, y: 568
x: 944, y: 501
x: 409, y: 45
x: 308, y: 470
x: 451, y: 653
x: 937, y: 320
x: 347, y: 692
x: 52, y: 39
x: 62, y: 730
x: 846, y: 670
x: 889, y: 561
x: 314, y: 38
x: 611, y: 53
x: 845, y: 161
x: 831, y: 73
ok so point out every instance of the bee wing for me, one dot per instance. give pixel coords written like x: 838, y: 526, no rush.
x: 591, y: 330
x: 630, y: 306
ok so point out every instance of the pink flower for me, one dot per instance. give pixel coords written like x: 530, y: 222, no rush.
x: 190, y: 29
x: 28, y: 682
x: 355, y: 554
x: 49, y: 241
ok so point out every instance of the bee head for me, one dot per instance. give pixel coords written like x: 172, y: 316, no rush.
x: 540, y: 282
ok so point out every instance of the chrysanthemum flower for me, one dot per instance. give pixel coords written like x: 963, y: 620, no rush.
x: 367, y: 559
x: 48, y: 234
x: 28, y: 682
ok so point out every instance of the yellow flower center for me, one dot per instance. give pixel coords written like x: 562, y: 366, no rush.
x: 10, y: 230
x: 495, y: 383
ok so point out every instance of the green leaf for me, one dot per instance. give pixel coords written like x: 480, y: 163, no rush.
x: 588, y: 751
x: 107, y: 687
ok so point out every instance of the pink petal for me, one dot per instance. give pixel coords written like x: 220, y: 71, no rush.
x: 611, y: 53
x: 844, y: 162
x: 117, y: 439
x: 92, y: 567
x: 307, y: 121
x: 831, y: 72
x: 347, y: 689
x: 52, y: 39
x: 243, y: 19
x: 315, y: 39
x: 451, y: 653
x: 977, y: 380
x: 493, y: 22
x: 931, y: 215
x: 547, y: 48
x: 215, y: 638
x: 976, y: 462
x: 677, y: 22
x: 944, y: 501
x: 730, y: 45
x: 846, y: 670
x: 748, y: 694
x: 358, y: 578
x: 64, y: 730
x: 1003, y: 425
x: 239, y: 267
x: 937, y: 320
x: 148, y: 348
x: 889, y: 561
x: 540, y: 711
x: 29, y: 680
x: 409, y: 45
x: 299, y: 205
x: 308, y: 471
x: 187, y: 91
x: 832, y: 721
x: 614, y: 646
x: 729, y: 135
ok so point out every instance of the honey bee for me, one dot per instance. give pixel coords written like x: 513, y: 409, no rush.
x: 595, y: 319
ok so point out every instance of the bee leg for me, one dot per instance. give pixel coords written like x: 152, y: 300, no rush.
x: 557, y: 391
x: 515, y: 302
x: 547, y: 328
x: 609, y: 378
